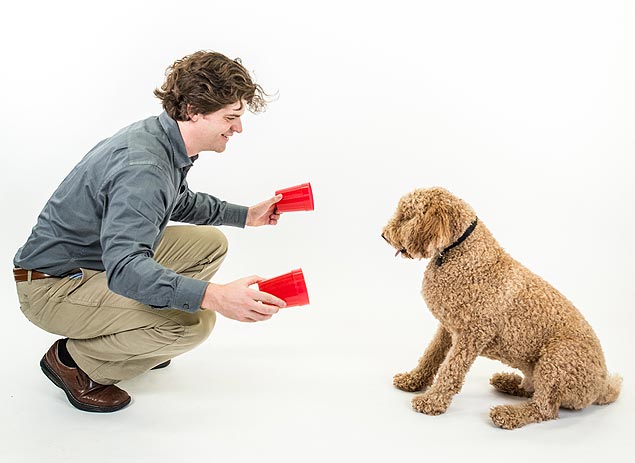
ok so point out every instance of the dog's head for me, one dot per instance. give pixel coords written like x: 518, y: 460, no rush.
x: 427, y: 221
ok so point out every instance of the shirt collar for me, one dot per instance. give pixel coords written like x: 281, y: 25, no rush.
x: 171, y: 128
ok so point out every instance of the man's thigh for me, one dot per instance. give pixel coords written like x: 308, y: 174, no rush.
x: 85, y: 308
x: 196, y: 251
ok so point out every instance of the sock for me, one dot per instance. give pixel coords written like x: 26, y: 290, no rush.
x: 65, y: 357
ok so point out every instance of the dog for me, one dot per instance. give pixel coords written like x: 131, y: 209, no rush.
x: 488, y: 304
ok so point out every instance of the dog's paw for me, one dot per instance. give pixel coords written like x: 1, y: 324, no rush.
x: 507, y: 417
x: 509, y: 383
x: 408, y: 382
x: 430, y: 404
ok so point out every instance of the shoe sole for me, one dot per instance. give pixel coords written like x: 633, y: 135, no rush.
x: 55, y: 379
x: 161, y: 365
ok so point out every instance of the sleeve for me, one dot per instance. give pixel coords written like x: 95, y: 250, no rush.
x: 137, y: 202
x: 205, y: 209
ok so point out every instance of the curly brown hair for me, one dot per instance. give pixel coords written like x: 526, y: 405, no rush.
x: 206, y: 81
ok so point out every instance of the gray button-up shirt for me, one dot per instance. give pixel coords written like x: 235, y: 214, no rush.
x: 112, y: 209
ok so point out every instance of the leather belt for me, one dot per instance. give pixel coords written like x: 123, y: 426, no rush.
x: 23, y: 275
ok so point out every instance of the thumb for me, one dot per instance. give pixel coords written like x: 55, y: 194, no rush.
x: 275, y: 199
x: 252, y: 279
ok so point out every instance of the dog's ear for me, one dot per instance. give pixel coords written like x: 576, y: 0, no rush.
x: 430, y: 231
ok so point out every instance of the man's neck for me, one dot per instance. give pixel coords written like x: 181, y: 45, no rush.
x: 185, y: 127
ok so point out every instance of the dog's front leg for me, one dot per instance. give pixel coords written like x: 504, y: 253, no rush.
x: 465, y: 348
x: 422, y: 376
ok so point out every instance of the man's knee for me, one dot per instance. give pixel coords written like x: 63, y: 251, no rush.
x: 189, y: 243
x: 211, y: 243
x: 216, y: 242
x: 200, y: 331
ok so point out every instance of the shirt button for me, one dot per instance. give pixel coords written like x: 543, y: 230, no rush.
x: 186, y: 306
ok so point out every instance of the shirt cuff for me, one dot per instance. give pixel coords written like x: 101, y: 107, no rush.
x: 235, y: 215
x: 189, y: 294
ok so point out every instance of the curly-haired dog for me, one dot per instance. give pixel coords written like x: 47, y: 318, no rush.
x: 488, y: 304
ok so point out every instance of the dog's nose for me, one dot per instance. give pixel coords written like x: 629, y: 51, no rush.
x: 382, y: 235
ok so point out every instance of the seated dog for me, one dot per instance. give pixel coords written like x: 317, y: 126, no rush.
x: 489, y: 304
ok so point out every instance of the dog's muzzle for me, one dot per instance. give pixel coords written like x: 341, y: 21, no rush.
x: 401, y: 251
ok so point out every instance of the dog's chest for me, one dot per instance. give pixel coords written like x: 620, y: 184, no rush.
x: 452, y: 299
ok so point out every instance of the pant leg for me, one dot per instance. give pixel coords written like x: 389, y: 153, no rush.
x: 193, y: 250
x: 113, y: 338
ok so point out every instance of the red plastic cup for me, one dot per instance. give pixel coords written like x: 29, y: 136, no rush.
x: 296, y: 198
x: 290, y: 287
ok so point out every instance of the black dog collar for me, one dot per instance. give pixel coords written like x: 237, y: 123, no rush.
x: 463, y: 237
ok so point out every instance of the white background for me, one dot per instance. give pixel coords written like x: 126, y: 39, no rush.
x: 524, y: 109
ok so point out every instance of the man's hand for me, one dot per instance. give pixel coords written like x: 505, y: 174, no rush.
x: 264, y: 213
x: 236, y: 300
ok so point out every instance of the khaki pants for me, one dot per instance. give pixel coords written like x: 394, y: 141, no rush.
x: 113, y: 338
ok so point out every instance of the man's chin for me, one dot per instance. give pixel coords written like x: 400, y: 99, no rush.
x: 216, y: 150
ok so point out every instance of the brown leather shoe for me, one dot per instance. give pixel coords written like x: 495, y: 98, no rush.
x: 82, y: 392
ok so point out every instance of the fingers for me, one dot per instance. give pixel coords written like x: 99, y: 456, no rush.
x: 251, y: 315
x: 268, y: 300
x: 260, y: 296
x: 256, y: 305
x: 276, y: 199
x: 273, y: 218
x: 255, y: 317
x: 257, y: 313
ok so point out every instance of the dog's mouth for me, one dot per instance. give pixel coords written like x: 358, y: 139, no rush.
x: 401, y: 251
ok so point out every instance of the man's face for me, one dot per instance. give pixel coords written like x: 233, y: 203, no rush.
x: 214, y: 129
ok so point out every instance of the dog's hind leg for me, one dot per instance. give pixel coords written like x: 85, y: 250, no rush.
x: 544, y: 403
x: 566, y: 375
x: 423, y: 375
x: 510, y: 383
x: 533, y: 411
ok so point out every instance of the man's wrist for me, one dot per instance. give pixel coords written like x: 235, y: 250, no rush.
x: 209, y: 299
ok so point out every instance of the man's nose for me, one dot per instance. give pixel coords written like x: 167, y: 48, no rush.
x: 237, y: 126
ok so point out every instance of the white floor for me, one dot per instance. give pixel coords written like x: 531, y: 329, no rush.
x: 246, y: 395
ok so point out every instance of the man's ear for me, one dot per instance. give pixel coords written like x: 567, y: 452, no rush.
x: 429, y: 231
x: 190, y: 115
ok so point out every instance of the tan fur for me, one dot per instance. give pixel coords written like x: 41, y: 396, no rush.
x: 488, y: 304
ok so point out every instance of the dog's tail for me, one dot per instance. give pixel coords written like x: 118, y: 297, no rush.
x: 610, y: 391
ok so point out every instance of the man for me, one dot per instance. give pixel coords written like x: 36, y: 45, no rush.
x: 103, y: 269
